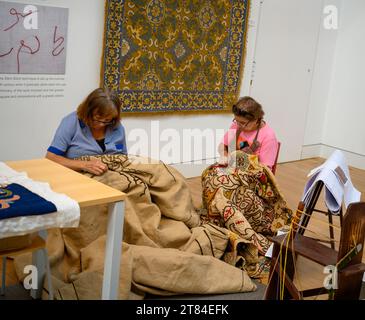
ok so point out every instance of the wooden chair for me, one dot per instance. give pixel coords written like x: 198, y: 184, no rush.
x: 347, y: 260
x: 276, y: 159
x: 36, y: 247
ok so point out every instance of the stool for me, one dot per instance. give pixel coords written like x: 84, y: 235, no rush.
x: 40, y: 258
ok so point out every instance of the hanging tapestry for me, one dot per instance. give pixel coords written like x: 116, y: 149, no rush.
x: 174, y: 55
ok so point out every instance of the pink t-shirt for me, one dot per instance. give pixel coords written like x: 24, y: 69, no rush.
x: 269, y: 144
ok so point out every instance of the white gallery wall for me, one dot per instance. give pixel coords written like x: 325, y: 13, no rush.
x: 322, y: 75
x: 335, y: 113
x: 345, y: 113
x: 285, y: 55
x: 287, y: 49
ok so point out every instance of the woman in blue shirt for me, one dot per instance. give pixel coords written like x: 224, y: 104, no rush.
x: 94, y: 129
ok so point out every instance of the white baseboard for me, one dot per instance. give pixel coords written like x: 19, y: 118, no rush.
x: 353, y: 159
x: 311, y: 151
x: 322, y: 150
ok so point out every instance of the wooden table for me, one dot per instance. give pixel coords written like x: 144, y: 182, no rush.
x: 87, y: 192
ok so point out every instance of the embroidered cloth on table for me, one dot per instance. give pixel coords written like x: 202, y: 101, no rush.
x: 17, y: 201
x: 65, y: 215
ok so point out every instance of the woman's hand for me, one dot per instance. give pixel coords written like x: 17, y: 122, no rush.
x: 95, y: 166
x: 223, y: 161
x: 223, y: 155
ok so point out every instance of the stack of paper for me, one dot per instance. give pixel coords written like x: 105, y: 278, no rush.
x: 335, y: 175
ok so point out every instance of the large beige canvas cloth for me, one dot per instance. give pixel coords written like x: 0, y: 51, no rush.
x: 166, y: 250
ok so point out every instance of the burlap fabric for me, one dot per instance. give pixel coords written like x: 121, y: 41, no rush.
x: 166, y: 250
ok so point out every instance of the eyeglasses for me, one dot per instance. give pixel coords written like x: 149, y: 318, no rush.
x: 242, y: 125
x: 106, y: 123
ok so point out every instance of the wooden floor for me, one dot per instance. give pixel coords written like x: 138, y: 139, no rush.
x: 291, y: 177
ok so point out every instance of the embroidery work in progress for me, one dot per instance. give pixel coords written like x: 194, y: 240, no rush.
x: 16, y: 201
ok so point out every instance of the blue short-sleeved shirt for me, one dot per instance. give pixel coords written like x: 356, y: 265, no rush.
x: 74, y: 139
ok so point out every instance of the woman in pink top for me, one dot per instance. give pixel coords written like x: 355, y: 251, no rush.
x: 250, y: 133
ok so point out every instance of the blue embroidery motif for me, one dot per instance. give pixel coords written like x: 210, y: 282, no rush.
x: 16, y: 201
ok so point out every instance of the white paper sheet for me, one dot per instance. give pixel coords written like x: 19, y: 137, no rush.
x: 269, y: 251
x: 335, y: 175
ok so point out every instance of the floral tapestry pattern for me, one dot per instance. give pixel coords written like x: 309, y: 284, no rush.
x: 174, y: 55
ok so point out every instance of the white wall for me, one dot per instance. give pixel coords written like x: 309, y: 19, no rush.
x: 285, y: 55
x: 335, y: 115
x: 344, y: 125
x: 322, y: 74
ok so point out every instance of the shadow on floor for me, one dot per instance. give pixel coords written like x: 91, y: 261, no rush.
x: 16, y: 292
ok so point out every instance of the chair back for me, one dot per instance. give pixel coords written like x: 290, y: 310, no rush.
x: 352, y: 235
x: 276, y: 159
x: 352, y: 231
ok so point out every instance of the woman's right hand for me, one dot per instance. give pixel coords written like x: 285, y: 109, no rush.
x: 95, y: 166
x: 223, y: 161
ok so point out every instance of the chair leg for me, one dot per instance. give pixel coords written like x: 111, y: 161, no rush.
x: 272, y: 289
x: 49, y: 277
x: 332, y: 236
x: 3, y: 278
x: 341, y: 217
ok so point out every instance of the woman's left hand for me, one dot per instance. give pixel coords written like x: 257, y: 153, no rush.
x: 95, y: 166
